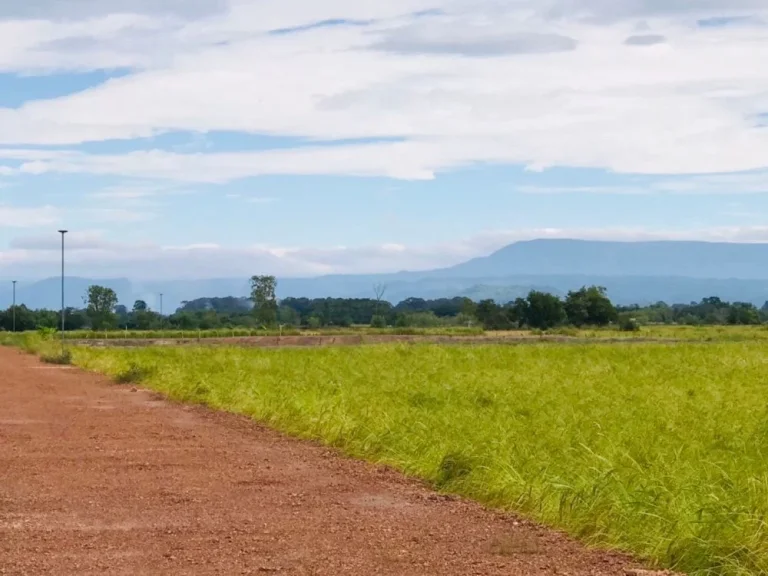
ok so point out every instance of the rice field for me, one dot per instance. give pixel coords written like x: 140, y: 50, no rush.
x: 656, y: 449
x: 660, y: 332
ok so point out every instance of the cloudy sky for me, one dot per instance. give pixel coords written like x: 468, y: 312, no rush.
x: 197, y: 138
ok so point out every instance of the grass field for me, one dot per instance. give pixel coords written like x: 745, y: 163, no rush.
x: 657, y: 449
x: 685, y: 333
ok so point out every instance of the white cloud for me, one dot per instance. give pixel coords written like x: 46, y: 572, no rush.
x: 125, y: 192
x: 687, y: 105
x: 19, y: 217
x: 74, y: 241
x: 737, y: 183
x: 115, y: 215
x: 86, y: 8
x: 261, y: 200
x: 135, y: 192
x: 750, y: 182
x: 584, y: 189
x: 407, y: 160
x: 645, y: 40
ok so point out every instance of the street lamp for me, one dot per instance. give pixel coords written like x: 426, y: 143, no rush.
x: 14, y: 305
x: 62, y: 232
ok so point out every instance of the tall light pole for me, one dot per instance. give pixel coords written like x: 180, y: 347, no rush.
x: 161, y: 304
x: 62, y: 232
x: 14, y: 305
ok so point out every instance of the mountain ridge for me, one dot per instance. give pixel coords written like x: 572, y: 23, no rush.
x: 633, y: 272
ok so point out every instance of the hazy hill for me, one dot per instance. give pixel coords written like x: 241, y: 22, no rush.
x: 633, y: 272
x: 592, y: 258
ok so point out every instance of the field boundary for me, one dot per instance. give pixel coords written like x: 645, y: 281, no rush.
x: 361, y: 339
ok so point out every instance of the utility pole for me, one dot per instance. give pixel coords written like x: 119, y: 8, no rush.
x: 62, y: 232
x: 14, y: 305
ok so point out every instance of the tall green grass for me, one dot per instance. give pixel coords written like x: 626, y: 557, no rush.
x: 669, y: 332
x: 655, y: 449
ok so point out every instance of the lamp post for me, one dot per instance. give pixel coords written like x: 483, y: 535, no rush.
x: 62, y: 232
x: 14, y: 305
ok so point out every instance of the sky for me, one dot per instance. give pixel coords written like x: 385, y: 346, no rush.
x: 223, y: 138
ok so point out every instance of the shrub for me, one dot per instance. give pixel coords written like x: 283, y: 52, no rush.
x: 63, y: 358
x: 133, y: 374
x: 46, y: 333
x: 629, y: 325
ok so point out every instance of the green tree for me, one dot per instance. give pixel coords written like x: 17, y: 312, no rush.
x: 288, y: 316
x: 468, y: 307
x: 140, y: 306
x: 26, y: 319
x: 544, y: 310
x: 590, y: 306
x: 743, y: 313
x: 378, y: 321
x: 264, y: 299
x: 492, y: 316
x: 101, y: 303
x: 517, y: 312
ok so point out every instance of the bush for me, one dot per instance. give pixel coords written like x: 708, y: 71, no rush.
x: 378, y: 322
x: 133, y: 374
x: 565, y: 331
x: 63, y: 358
x: 46, y: 333
x: 629, y: 325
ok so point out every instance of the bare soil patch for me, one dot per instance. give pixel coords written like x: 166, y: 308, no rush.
x: 97, y: 478
x: 356, y: 340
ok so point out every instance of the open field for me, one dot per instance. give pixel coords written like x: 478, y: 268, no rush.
x: 359, y: 340
x: 367, y: 335
x: 656, y: 449
x: 104, y: 479
x: 221, y: 333
x: 684, y: 333
x: 364, y: 335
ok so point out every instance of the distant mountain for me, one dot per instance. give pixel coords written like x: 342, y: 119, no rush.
x: 592, y: 258
x: 633, y: 272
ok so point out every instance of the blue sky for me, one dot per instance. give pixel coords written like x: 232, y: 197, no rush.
x: 299, y: 138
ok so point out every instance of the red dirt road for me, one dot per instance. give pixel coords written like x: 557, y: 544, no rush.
x: 97, y: 478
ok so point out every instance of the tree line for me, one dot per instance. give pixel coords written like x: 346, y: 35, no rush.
x: 588, y: 306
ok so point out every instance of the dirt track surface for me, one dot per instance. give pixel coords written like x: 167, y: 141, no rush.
x: 357, y: 340
x: 97, y: 478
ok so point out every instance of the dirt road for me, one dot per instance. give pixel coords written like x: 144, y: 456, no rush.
x: 97, y: 478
